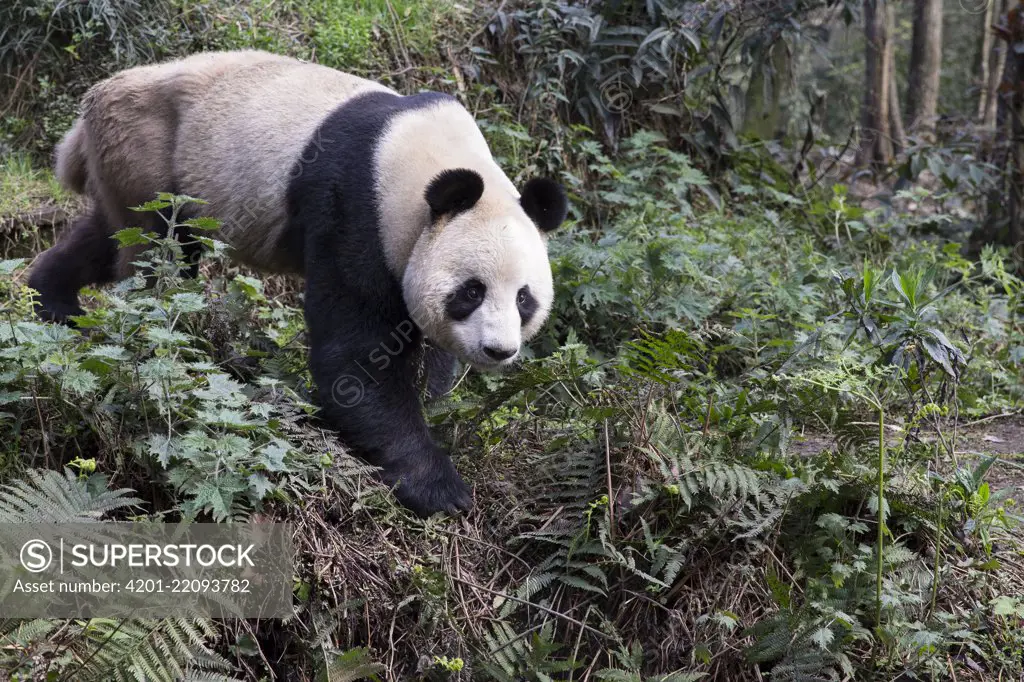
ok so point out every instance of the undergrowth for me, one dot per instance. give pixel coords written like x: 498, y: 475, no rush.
x: 641, y: 512
x: 733, y: 453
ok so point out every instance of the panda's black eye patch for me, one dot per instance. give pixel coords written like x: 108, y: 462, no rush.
x: 527, y: 305
x: 461, y: 303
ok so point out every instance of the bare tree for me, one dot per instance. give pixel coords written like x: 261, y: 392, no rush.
x: 899, y: 136
x: 995, y: 58
x: 925, y: 65
x: 875, y: 142
x: 985, y: 56
x: 1004, y: 148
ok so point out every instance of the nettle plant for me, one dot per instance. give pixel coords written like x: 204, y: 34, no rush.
x: 894, y: 375
x: 635, y: 262
x: 137, y: 377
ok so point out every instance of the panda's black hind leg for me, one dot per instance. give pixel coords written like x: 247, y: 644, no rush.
x: 85, y: 255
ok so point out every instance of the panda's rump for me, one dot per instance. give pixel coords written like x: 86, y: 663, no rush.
x: 129, y: 126
x: 241, y: 145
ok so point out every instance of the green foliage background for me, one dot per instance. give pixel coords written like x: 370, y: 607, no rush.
x: 645, y: 508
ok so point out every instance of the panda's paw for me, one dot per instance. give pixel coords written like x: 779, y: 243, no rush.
x: 58, y: 311
x: 431, y: 486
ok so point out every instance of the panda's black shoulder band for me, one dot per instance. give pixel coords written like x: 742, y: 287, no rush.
x: 453, y: 191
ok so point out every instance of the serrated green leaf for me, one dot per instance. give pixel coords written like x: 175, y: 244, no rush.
x: 187, y: 302
x: 203, y: 223
x: 9, y: 266
x: 153, y: 204
x: 260, y: 485
x: 822, y: 637
x: 272, y: 455
x: 79, y: 381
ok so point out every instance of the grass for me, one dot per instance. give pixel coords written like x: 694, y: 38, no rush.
x: 362, y: 35
x: 25, y: 187
x: 32, y: 205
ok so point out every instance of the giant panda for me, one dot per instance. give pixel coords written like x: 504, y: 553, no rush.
x: 391, y: 207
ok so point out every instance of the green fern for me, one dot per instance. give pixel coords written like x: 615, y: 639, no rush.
x: 506, y: 649
x: 569, y: 478
x: 532, y: 585
x: 104, y: 650
x: 512, y: 657
x: 158, y: 651
x: 661, y: 358
x: 349, y: 666
x: 47, y: 496
x: 793, y: 642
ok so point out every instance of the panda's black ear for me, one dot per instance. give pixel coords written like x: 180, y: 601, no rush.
x: 453, y: 191
x: 545, y: 202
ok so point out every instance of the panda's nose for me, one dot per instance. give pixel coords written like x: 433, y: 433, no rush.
x: 499, y: 354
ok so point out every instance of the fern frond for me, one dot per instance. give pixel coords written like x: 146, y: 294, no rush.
x: 679, y: 677
x: 569, y: 479
x: 350, y: 666
x: 530, y: 587
x: 47, y: 496
x: 157, y: 651
x: 506, y: 649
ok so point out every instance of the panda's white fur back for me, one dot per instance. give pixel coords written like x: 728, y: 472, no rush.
x: 227, y: 127
x: 127, y: 137
x: 239, y: 145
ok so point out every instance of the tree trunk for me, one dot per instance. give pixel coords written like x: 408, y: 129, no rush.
x: 925, y: 65
x: 997, y: 63
x: 985, y: 57
x: 1004, y: 223
x: 875, y: 142
x: 899, y: 136
x: 1012, y: 75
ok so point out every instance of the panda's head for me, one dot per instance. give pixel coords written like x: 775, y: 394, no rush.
x: 478, y: 281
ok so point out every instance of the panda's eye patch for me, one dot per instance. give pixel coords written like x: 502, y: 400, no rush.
x: 461, y: 303
x: 527, y: 305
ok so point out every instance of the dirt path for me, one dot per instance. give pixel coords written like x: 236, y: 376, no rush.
x: 1002, y: 435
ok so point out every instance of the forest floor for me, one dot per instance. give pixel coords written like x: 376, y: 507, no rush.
x: 999, y: 435
x: 449, y: 575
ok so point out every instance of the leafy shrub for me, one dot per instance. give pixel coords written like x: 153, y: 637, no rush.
x: 147, y: 359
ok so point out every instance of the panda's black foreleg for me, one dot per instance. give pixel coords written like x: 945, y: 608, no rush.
x: 441, y: 369
x: 364, y: 363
